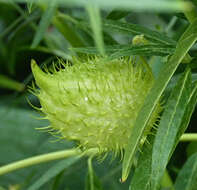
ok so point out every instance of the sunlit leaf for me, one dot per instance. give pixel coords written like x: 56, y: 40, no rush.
x: 169, y: 127
x: 184, y: 44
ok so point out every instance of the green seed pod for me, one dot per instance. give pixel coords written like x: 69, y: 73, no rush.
x: 95, y: 103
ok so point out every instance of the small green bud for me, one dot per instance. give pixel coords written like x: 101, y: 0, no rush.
x: 139, y: 40
x: 94, y: 102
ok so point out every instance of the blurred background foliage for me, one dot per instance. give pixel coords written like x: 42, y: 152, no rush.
x: 50, y: 31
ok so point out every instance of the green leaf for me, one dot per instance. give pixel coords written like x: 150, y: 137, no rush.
x: 96, y: 25
x: 43, y: 49
x: 140, y: 5
x: 44, y: 23
x: 117, y: 14
x: 141, y: 178
x: 11, y: 27
x: 166, y: 182
x: 116, y: 51
x: 29, y: 6
x: 154, y: 49
x: 169, y: 126
x: 192, y: 100
x: 92, y: 181
x: 184, y: 44
x: 187, y: 178
x: 21, y: 140
x: 52, y: 172
x: 6, y: 82
x: 69, y: 33
x: 142, y: 174
x: 18, y: 126
x: 191, y: 148
x: 133, y: 29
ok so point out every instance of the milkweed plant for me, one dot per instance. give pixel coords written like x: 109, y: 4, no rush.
x: 130, y: 102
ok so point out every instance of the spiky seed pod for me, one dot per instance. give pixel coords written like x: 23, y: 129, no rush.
x: 94, y: 102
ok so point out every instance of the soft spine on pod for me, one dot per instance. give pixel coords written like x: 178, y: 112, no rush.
x: 94, y: 102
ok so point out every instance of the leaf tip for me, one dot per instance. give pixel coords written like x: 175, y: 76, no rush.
x: 124, y: 176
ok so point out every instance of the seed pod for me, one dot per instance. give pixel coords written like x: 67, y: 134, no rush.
x: 95, y: 103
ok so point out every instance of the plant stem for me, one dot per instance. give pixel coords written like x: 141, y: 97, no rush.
x: 64, y: 154
x: 39, y: 159
x: 189, y: 137
x: 91, y: 175
x: 46, y: 158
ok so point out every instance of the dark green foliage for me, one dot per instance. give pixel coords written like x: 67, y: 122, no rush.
x: 160, y: 33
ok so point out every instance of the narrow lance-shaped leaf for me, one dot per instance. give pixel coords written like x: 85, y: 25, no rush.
x: 44, y: 23
x: 187, y: 178
x: 152, y: 49
x: 184, y: 44
x: 117, y: 14
x: 29, y: 6
x: 133, y: 29
x: 191, y: 103
x: 67, y: 31
x: 6, y: 82
x: 142, y: 174
x: 169, y: 126
x: 96, y: 25
x: 190, y: 108
x: 116, y: 51
x: 145, y: 160
x: 52, y: 172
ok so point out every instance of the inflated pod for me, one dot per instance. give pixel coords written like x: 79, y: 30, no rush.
x: 95, y: 102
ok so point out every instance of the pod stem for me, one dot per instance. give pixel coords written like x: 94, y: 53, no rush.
x: 44, y: 158
x: 188, y: 137
x: 64, y: 154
